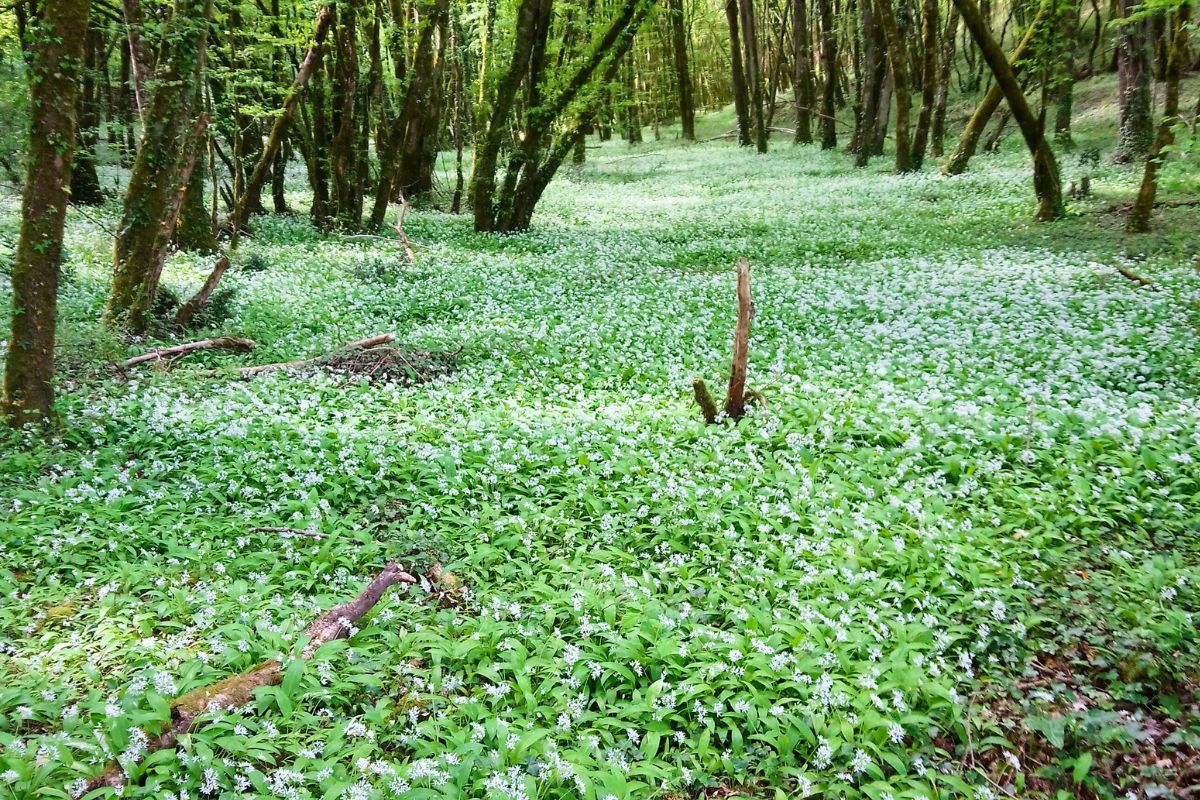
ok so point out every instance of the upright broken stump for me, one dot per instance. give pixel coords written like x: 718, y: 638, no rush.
x: 735, y: 394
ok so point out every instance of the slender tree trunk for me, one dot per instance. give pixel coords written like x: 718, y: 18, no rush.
x: 56, y: 60
x: 741, y: 99
x: 938, y: 134
x: 1133, y: 81
x: 898, y: 62
x: 345, y: 113
x: 753, y: 71
x: 195, y: 230
x: 969, y: 141
x: 802, y: 78
x: 142, y: 237
x: 871, y: 86
x: 1046, y: 184
x: 143, y: 65
x: 1139, y: 215
x: 85, y: 183
x: 683, y: 78
x: 1062, y: 87
x: 829, y: 75
x: 929, y: 82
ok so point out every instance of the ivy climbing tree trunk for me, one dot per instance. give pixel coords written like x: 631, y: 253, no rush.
x: 158, y: 170
x: 59, y: 35
x: 1046, y: 184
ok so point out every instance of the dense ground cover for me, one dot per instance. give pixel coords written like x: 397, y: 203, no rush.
x: 953, y: 552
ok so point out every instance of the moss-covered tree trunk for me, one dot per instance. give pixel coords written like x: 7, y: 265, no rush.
x: 753, y: 71
x: 968, y: 142
x: 195, y: 229
x: 683, y: 76
x: 938, y: 132
x: 1139, y: 215
x: 929, y: 82
x: 872, y: 83
x: 142, y: 238
x: 54, y: 72
x: 347, y: 200
x: 802, y: 77
x: 741, y: 98
x: 1046, y: 184
x: 1135, y: 130
x: 828, y: 75
x: 898, y: 65
x: 85, y: 182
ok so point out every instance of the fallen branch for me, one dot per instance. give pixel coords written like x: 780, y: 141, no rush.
x: 1133, y: 276
x: 292, y: 531
x: 188, y: 710
x: 361, y: 344
x: 180, y: 350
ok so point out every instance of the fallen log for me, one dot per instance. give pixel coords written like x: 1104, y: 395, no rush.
x: 180, y: 350
x: 1133, y: 276
x: 361, y: 344
x: 188, y: 710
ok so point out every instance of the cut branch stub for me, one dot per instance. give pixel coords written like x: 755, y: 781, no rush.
x: 708, y: 409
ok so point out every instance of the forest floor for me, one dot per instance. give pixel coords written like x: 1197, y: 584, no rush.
x: 954, y: 551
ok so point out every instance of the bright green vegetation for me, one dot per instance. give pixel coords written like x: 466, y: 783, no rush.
x: 979, y: 448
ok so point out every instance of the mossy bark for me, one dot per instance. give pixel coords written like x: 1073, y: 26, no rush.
x: 1047, y: 186
x: 142, y: 238
x: 1135, y: 129
x: 29, y: 366
x: 85, y: 182
x: 1139, y: 215
x: 929, y: 83
x: 802, y: 77
x: 898, y: 63
x: 828, y: 75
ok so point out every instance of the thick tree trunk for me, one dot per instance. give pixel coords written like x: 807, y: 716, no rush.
x: 929, y: 83
x: 29, y: 366
x: 898, y: 63
x: 969, y: 141
x: 1139, y: 215
x: 195, y: 229
x: 828, y: 76
x: 683, y: 78
x: 1046, y: 184
x: 938, y: 134
x: 741, y: 99
x: 142, y: 238
x: 802, y: 77
x: 753, y: 71
x: 1135, y: 132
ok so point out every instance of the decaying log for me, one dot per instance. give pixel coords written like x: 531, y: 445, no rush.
x: 188, y: 710
x: 1133, y: 276
x: 361, y: 344
x: 180, y: 350
x: 735, y: 397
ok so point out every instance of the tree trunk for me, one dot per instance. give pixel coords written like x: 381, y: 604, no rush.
x: 140, y: 58
x: 1046, y: 184
x: 828, y: 76
x: 85, y: 183
x: 1139, y: 215
x: 1062, y: 87
x: 802, y: 78
x: 872, y: 84
x: 683, y: 78
x: 195, y: 230
x: 753, y: 71
x: 345, y: 115
x: 990, y: 102
x: 741, y: 99
x: 1133, y: 81
x: 938, y: 134
x: 29, y: 366
x: 898, y: 62
x: 142, y: 238
x: 929, y: 83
